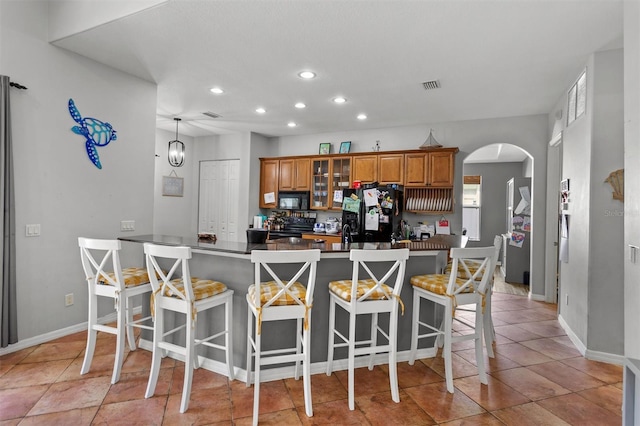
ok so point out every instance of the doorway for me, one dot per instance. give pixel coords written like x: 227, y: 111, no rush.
x: 498, y: 165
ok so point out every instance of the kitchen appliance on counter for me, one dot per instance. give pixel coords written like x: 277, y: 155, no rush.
x: 371, y: 212
x: 332, y: 226
x: 294, y: 227
x: 293, y: 200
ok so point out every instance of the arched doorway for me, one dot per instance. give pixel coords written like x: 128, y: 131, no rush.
x: 504, y: 206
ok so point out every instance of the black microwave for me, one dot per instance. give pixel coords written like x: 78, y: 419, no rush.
x: 293, y: 200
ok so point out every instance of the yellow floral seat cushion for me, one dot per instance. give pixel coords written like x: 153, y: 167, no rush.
x: 437, y: 283
x: 472, y: 265
x: 269, y: 289
x: 342, y: 289
x: 132, y: 277
x: 202, y: 289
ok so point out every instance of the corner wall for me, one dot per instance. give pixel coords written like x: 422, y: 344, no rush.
x: 57, y: 186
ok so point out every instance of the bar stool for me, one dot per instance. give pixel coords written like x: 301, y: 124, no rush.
x: 190, y: 296
x: 449, y: 291
x: 276, y: 300
x: 473, y: 265
x: 368, y: 296
x: 120, y: 285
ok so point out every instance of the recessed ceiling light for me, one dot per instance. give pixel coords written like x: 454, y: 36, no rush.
x: 339, y: 100
x: 216, y: 90
x: 307, y: 75
x: 362, y: 116
x: 300, y: 105
x: 261, y: 110
x: 291, y: 124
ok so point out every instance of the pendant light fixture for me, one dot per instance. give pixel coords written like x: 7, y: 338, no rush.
x: 176, y: 149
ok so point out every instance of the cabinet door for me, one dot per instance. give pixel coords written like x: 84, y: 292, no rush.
x: 269, y: 170
x: 391, y: 169
x: 415, y: 169
x: 320, y: 184
x: 365, y: 168
x: 441, y: 169
x: 287, y: 175
x: 340, y: 178
x: 303, y: 171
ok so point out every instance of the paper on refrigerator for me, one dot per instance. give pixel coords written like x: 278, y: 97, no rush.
x: 524, y: 206
x: 371, y: 220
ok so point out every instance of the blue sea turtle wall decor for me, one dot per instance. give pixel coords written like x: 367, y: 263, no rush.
x: 96, y: 133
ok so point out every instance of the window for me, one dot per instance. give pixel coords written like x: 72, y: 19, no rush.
x: 577, y: 98
x: 471, y: 199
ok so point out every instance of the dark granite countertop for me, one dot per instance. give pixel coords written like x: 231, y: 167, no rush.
x: 436, y: 243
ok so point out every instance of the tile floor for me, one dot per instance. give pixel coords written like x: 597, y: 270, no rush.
x: 536, y: 378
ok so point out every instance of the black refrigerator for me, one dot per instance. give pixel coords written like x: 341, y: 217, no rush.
x: 372, y: 214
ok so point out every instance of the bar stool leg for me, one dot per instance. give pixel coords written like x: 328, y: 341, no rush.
x: 332, y: 336
x: 352, y: 363
x: 188, y: 365
x: 156, y: 357
x: 374, y: 337
x: 256, y: 381
x: 393, y: 350
x: 228, y: 306
x: 249, y: 345
x: 415, y: 327
x: 120, y: 338
x: 91, y: 334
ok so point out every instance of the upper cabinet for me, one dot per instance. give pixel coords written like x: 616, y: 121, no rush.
x: 365, y: 168
x: 429, y: 169
x: 294, y: 174
x: 427, y: 176
x: 269, y: 172
x: 390, y: 168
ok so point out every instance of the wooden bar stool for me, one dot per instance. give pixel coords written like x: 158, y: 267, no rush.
x: 279, y: 299
x: 449, y: 291
x: 368, y: 295
x: 118, y: 284
x: 190, y: 296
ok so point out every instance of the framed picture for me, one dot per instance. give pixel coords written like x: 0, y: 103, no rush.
x: 325, y: 148
x: 172, y: 186
x: 345, y: 147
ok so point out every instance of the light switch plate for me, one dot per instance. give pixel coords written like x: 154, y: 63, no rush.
x: 128, y: 225
x: 33, y: 230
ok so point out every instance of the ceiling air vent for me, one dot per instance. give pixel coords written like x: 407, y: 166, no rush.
x: 212, y: 114
x: 429, y: 85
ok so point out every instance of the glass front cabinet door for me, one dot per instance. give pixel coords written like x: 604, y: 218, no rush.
x: 320, y: 184
x: 340, y: 179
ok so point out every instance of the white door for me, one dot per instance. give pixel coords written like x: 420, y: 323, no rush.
x: 218, y: 201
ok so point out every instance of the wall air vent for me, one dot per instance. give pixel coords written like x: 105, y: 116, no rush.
x: 429, y: 85
x: 212, y: 114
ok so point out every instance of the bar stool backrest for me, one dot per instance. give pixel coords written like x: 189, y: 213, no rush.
x: 94, y: 266
x: 362, y: 260
x: 165, y: 280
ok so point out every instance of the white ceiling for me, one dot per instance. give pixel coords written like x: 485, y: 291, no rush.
x: 492, y: 58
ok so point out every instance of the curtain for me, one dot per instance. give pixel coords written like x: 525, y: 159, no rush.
x: 8, y: 309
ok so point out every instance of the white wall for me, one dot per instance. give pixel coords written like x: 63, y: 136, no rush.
x: 632, y: 176
x: 56, y: 184
x: 529, y: 133
x: 606, y: 257
x: 174, y: 215
x: 592, y: 147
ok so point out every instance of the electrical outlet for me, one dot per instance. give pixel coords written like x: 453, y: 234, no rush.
x: 68, y: 299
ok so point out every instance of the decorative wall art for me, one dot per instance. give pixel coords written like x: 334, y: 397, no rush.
x: 172, y: 185
x: 325, y: 148
x: 96, y: 132
x: 616, y: 180
x: 345, y: 147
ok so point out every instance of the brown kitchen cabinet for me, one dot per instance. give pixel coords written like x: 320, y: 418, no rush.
x: 294, y: 174
x: 390, y: 168
x: 365, y: 168
x: 269, y: 178
x: 320, y: 181
x: 328, y: 239
x: 340, y: 178
x: 429, y: 169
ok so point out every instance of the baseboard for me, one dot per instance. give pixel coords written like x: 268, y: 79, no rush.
x: 537, y: 297
x: 56, y: 334
x: 271, y: 374
x: 572, y: 336
x: 605, y: 357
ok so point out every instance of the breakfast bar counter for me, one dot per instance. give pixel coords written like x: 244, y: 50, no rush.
x: 230, y: 263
